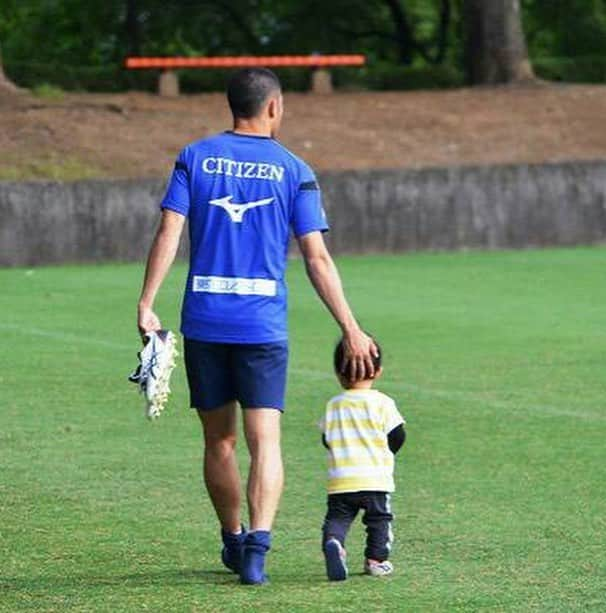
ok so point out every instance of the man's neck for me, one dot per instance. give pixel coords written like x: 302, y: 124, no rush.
x: 254, y: 127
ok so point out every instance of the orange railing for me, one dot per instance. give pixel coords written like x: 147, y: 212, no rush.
x: 242, y: 61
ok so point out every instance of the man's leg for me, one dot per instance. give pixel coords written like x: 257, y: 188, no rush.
x: 221, y: 473
x: 260, y: 374
x: 265, y: 481
x: 266, y: 476
x: 222, y: 478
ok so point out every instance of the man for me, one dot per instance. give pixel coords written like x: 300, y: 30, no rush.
x: 242, y: 192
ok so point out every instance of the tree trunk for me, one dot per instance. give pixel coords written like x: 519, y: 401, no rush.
x: 6, y: 85
x: 495, y: 46
x: 133, y: 34
x: 402, y: 31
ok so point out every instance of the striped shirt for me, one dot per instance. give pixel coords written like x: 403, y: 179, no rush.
x: 356, y: 425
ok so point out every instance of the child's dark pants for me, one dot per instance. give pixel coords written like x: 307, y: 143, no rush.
x: 342, y: 510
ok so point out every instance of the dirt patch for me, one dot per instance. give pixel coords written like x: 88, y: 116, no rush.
x: 139, y: 135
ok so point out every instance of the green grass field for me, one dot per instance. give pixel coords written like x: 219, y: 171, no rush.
x: 496, y: 359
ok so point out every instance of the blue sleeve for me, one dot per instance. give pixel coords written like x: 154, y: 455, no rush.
x: 308, y: 214
x: 177, y: 193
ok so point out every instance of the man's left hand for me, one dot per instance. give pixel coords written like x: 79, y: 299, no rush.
x: 359, y: 351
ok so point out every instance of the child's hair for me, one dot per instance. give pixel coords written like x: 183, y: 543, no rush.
x: 338, y: 356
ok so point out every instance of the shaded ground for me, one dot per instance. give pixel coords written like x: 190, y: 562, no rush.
x: 138, y: 134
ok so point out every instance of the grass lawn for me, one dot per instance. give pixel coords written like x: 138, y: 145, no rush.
x: 496, y: 360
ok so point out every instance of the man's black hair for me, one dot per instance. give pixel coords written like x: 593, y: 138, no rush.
x: 338, y: 356
x: 248, y: 90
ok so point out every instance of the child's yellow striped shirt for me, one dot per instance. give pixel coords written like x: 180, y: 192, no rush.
x: 356, y: 424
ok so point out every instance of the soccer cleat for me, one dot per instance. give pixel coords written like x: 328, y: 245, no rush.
x: 335, y: 556
x: 378, y: 569
x: 156, y: 363
x: 233, y: 550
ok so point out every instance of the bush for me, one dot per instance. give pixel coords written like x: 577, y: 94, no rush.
x: 583, y: 69
x: 48, y: 92
x: 215, y: 80
x: 109, y: 78
x: 385, y: 76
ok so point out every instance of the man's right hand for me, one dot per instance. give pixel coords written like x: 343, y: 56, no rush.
x: 147, y: 320
x: 161, y: 256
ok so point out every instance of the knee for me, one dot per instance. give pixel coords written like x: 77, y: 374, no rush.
x: 259, y: 438
x: 263, y: 447
x: 220, y: 446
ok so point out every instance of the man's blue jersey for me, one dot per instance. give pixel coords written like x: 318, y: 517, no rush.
x: 241, y: 194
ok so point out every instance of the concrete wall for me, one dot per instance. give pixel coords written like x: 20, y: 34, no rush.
x: 469, y: 207
x: 369, y: 211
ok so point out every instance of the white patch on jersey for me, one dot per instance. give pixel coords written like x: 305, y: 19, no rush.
x: 242, y: 286
x: 236, y: 211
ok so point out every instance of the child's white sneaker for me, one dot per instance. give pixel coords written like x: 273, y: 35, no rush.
x: 378, y: 569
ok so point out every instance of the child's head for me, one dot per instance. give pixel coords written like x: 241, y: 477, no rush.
x: 377, y: 362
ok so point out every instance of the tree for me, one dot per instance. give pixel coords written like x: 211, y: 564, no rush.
x: 133, y: 33
x: 6, y: 85
x: 396, y: 31
x: 495, y: 45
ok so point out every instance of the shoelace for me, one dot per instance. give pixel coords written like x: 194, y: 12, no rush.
x: 144, y: 371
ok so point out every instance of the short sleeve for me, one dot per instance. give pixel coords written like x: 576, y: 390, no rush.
x: 323, y: 420
x: 392, y: 417
x: 177, y: 197
x: 308, y: 214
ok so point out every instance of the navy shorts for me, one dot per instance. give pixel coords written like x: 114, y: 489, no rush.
x: 218, y: 373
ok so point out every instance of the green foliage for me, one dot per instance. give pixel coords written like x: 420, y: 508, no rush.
x: 387, y: 76
x: 375, y: 76
x: 81, y: 44
x: 109, y: 77
x: 565, y: 28
x: 589, y: 69
x: 195, y: 81
x: 496, y: 360
x: 54, y: 167
x: 48, y: 92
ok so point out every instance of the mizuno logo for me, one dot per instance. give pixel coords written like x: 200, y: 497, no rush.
x: 236, y: 211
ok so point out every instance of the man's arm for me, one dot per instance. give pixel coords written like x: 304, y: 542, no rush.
x: 359, y: 348
x: 161, y: 256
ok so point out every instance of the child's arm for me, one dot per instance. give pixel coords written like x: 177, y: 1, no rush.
x: 322, y: 426
x: 396, y: 438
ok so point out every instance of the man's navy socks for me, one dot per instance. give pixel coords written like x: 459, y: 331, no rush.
x: 256, y: 545
x: 231, y: 554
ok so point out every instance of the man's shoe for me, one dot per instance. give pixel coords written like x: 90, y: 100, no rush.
x: 256, y: 545
x: 334, y: 555
x: 378, y: 569
x: 233, y: 545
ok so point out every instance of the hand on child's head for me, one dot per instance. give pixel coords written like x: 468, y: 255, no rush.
x: 348, y: 383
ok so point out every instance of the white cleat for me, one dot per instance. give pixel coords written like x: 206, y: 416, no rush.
x: 157, y: 361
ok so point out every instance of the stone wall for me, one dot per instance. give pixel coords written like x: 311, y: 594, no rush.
x: 482, y: 207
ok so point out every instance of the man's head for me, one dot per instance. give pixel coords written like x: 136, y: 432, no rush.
x: 255, y: 96
x: 338, y: 356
